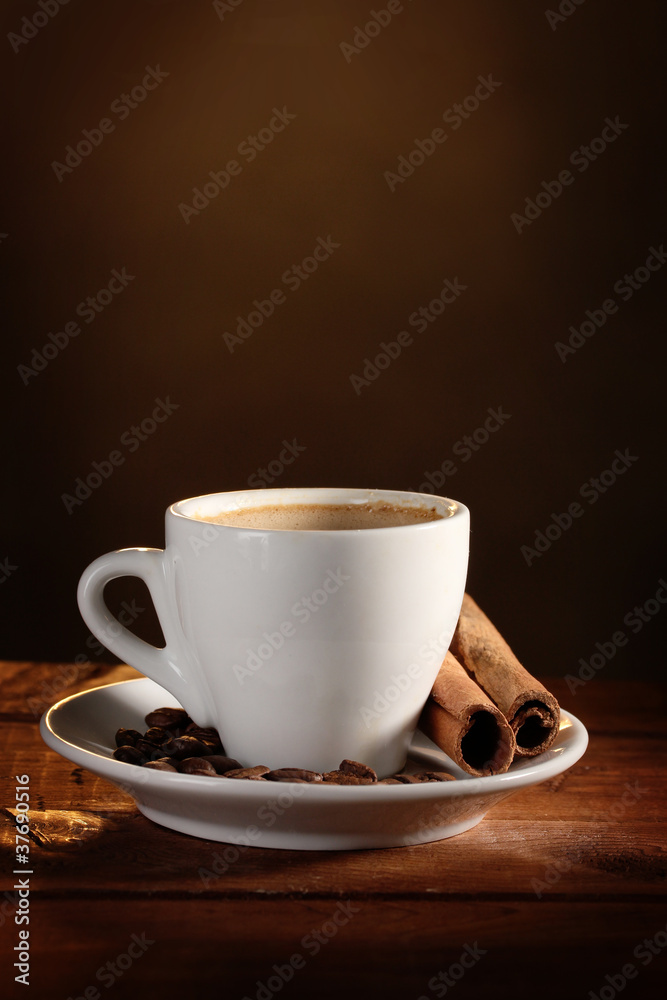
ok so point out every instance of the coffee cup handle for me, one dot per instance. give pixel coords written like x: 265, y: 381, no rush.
x: 164, y: 666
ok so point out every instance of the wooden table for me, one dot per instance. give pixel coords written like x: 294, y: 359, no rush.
x: 550, y: 894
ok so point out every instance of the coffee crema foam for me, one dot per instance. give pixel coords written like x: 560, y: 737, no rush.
x: 323, y: 517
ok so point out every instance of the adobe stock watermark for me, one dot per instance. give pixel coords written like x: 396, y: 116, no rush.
x: 267, y: 815
x: 292, y: 278
x: 301, y: 612
x: 311, y: 943
x: 275, y: 468
x: 464, y: 449
x: 249, y: 148
x: 430, y: 653
x: 565, y: 10
x: 605, y: 651
x: 222, y: 7
x: 591, y: 491
x: 68, y: 673
x: 581, y: 158
x: 130, y: 440
x: 552, y: 874
x: 625, y: 288
x: 7, y: 569
x: 116, y: 968
x: 418, y: 320
x: 31, y: 26
x: 454, y: 117
x: 261, y: 478
x: 442, y: 982
x: 88, y: 310
x: 364, y: 34
x: 628, y: 798
x: 644, y: 952
x: 121, y: 108
x: 422, y: 832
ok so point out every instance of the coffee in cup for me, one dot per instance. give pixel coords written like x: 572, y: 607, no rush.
x: 325, y: 517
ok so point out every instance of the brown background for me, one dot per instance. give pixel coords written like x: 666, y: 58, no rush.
x: 291, y: 380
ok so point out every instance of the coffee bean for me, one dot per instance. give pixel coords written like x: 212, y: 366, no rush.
x: 292, y: 774
x: 195, y: 730
x: 346, y: 778
x: 358, y: 770
x: 127, y: 737
x: 169, y: 718
x: 253, y: 773
x: 157, y: 735
x: 129, y: 755
x: 212, y: 746
x: 211, y: 740
x: 159, y: 765
x: 195, y: 765
x: 149, y: 750
x: 221, y: 763
x: 181, y: 747
x: 174, y: 742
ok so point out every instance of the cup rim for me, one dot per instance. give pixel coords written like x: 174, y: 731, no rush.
x: 454, y: 508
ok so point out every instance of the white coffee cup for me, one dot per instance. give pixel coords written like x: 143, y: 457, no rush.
x: 301, y: 647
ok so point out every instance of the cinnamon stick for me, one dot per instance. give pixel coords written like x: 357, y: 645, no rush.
x: 531, y: 710
x: 465, y: 723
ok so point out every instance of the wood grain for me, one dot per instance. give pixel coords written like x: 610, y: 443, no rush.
x: 565, y: 875
x: 386, y: 949
x: 28, y: 689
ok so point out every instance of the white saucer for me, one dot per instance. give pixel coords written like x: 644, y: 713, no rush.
x: 310, y: 817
